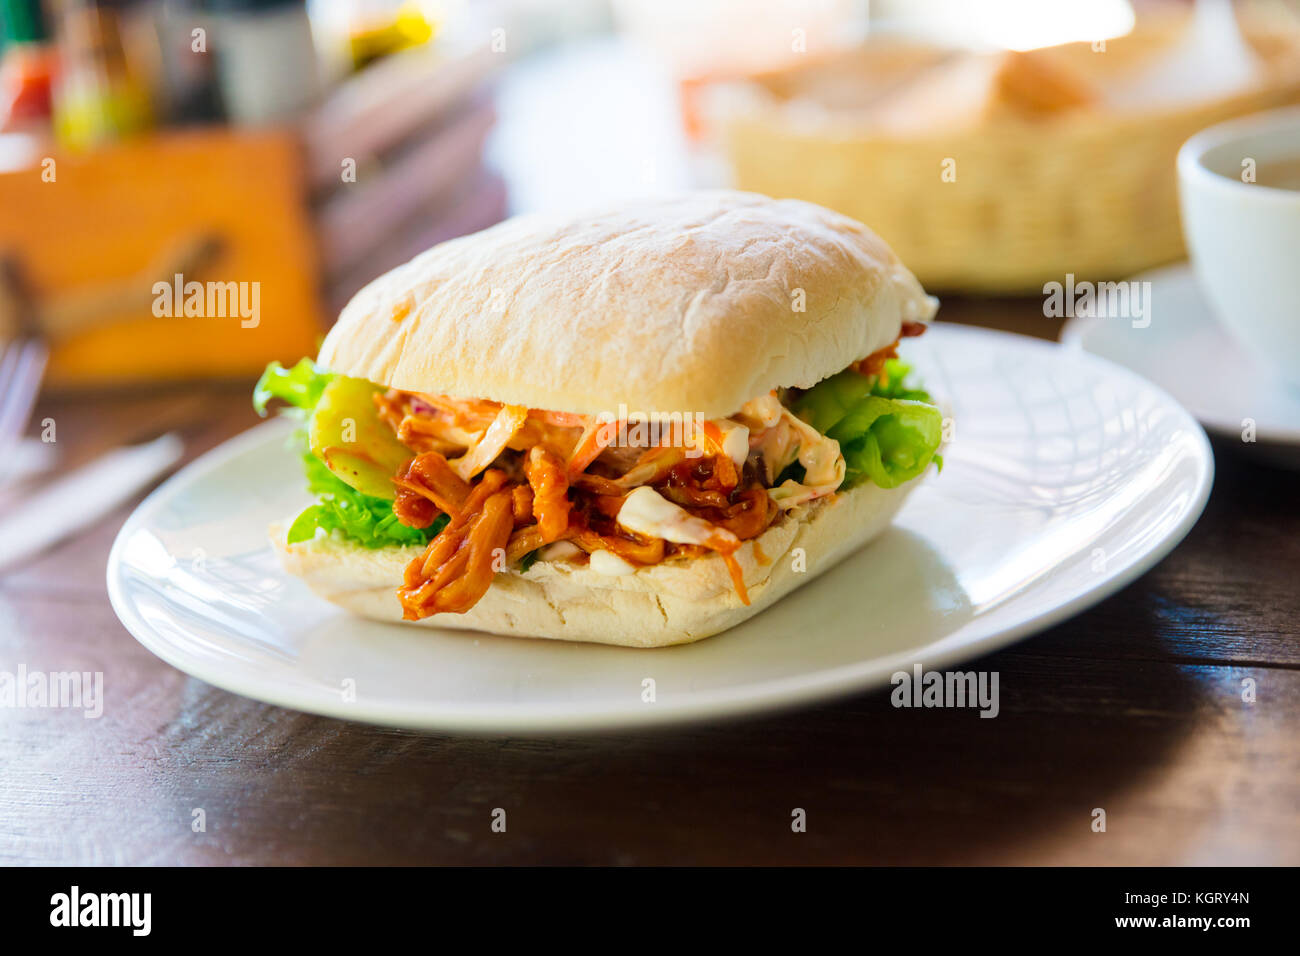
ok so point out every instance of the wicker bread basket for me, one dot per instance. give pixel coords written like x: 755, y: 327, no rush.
x: 1026, y: 199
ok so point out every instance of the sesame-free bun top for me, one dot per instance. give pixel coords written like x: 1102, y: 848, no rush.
x: 695, y: 303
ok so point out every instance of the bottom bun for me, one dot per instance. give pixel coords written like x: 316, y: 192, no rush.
x: 675, y: 602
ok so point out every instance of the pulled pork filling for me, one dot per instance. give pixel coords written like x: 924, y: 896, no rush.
x: 515, y: 480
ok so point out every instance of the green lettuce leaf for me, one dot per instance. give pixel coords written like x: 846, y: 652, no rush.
x: 897, y: 385
x: 362, y: 518
x: 300, y: 386
x: 888, y: 431
x: 365, y: 519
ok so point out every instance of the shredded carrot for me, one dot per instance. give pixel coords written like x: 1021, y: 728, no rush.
x: 559, y: 419
x: 595, y: 438
x: 737, y: 577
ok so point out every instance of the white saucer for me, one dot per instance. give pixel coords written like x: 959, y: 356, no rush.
x: 1188, y: 353
x: 1067, y: 477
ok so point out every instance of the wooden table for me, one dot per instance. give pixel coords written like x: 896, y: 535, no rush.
x: 1135, y: 707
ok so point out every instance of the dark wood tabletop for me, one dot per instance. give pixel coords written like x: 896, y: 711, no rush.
x: 1135, y: 707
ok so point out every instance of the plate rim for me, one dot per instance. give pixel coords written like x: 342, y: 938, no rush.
x: 766, y: 697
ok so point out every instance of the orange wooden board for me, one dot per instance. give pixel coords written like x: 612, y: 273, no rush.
x: 116, y: 219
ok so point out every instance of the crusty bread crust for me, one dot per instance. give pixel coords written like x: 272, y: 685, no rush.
x: 694, y: 304
x: 675, y: 602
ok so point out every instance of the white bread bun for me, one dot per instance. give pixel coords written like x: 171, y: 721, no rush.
x: 694, y: 304
x: 675, y: 602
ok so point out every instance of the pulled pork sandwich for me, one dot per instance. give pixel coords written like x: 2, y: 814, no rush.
x: 639, y: 426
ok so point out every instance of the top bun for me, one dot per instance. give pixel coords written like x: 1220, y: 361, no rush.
x: 694, y: 304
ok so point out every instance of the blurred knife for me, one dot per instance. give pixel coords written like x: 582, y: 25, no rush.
x: 25, y: 353
x: 83, y: 496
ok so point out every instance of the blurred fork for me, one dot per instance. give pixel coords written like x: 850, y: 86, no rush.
x: 23, y: 364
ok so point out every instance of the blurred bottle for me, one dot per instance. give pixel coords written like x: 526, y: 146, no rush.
x: 100, y: 94
x: 380, y: 27
x: 267, y: 66
x: 26, y: 65
x: 188, y: 63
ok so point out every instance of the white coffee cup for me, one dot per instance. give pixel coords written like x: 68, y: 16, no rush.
x: 1244, y: 237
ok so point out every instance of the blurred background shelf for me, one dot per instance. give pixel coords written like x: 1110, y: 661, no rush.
x: 299, y: 148
x: 400, y: 123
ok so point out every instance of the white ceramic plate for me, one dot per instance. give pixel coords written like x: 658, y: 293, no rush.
x: 1187, y: 352
x: 1067, y: 478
